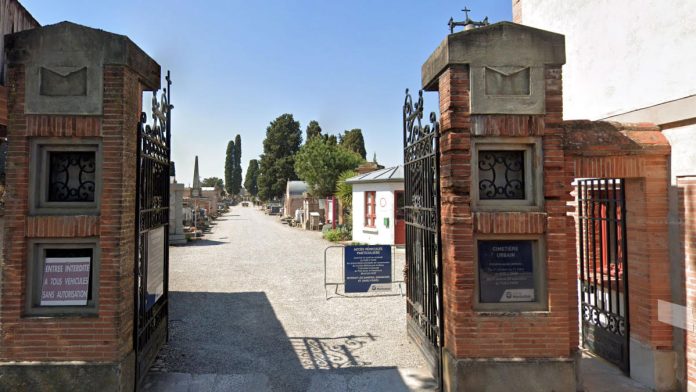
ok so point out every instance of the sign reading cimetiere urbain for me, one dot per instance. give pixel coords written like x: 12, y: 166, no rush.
x: 65, y: 281
x: 506, y: 271
x: 368, y: 268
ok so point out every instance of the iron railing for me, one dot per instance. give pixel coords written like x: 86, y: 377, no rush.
x: 422, y: 218
x: 152, y: 221
x: 602, y: 241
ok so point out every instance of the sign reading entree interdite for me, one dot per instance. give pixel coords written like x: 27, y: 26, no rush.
x: 506, y: 271
x: 368, y: 268
x: 65, y: 281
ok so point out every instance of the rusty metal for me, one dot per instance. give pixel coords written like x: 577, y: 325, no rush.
x: 467, y: 23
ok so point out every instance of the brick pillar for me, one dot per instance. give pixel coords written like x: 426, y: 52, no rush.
x: 500, y: 96
x: 74, y: 104
x: 686, y: 188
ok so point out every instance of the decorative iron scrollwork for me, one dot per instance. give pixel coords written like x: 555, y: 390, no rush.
x: 415, y: 131
x: 608, y: 321
x: 71, y: 176
x: 501, y: 175
x: 152, y: 206
x: 421, y: 214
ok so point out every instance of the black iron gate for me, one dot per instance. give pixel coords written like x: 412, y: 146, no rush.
x: 603, y: 268
x: 152, y: 234
x: 422, y: 216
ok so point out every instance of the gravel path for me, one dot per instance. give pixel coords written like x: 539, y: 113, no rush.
x: 250, y: 300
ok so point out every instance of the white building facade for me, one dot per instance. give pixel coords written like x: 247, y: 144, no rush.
x: 633, y: 62
x: 377, y: 209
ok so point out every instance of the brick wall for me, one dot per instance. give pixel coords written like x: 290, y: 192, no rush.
x: 517, y: 11
x: 687, y: 213
x: 647, y: 180
x: 108, y: 336
x: 469, y: 333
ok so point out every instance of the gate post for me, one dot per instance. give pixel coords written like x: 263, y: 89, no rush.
x: 67, y: 286
x: 509, y: 295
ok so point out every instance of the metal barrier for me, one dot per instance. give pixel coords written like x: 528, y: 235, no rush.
x: 336, y: 285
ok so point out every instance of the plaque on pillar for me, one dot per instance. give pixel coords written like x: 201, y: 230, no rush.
x: 65, y: 281
x: 506, y: 271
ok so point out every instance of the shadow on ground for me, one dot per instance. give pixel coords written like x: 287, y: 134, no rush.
x: 234, y: 340
x: 203, y: 242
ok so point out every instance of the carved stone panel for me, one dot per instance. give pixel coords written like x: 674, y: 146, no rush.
x: 507, y: 89
x: 507, y: 81
x: 72, y: 87
x: 63, y: 82
x: 64, y: 66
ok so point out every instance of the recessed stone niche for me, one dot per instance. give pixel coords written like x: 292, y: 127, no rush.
x: 63, y: 81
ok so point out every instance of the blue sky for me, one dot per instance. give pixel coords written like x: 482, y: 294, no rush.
x: 238, y: 64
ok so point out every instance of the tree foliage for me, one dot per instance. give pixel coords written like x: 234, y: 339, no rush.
x: 320, y: 163
x: 344, y: 191
x: 353, y: 141
x: 237, y: 168
x: 229, y: 166
x: 331, y: 139
x: 277, y: 165
x: 344, y: 194
x: 252, y: 176
x: 313, y: 129
x: 212, y: 181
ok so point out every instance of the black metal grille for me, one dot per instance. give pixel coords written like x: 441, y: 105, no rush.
x: 152, y: 220
x: 501, y: 174
x: 603, y: 268
x: 71, y: 176
x: 421, y: 212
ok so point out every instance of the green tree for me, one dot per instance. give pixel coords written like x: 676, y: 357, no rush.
x: 344, y: 194
x: 236, y: 186
x: 277, y: 165
x: 213, y: 181
x: 331, y: 139
x: 252, y: 177
x: 344, y: 191
x: 353, y: 140
x: 313, y: 129
x: 320, y: 163
x: 229, y: 166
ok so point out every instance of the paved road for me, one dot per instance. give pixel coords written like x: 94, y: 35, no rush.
x: 248, y: 313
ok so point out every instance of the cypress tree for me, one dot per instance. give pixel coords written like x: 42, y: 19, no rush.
x: 229, y: 167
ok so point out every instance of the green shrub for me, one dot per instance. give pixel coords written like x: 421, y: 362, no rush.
x: 338, y: 234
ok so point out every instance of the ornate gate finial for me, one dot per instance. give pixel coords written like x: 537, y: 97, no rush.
x: 468, y: 24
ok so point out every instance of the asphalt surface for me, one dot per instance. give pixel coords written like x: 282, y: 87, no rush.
x: 249, y: 312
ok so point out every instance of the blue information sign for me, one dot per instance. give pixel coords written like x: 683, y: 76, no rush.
x: 368, y: 268
x: 506, y: 271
